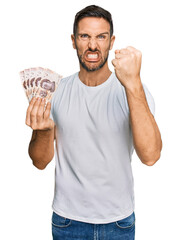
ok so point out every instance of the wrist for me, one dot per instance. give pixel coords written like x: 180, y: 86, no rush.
x: 134, y: 87
x: 44, y: 133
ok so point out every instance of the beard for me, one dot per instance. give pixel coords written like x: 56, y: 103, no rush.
x: 94, y: 68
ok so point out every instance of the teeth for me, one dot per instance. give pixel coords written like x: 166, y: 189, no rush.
x: 92, y: 55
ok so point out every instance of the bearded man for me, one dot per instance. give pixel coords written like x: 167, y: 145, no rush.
x: 97, y: 118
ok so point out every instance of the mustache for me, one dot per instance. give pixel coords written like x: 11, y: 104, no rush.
x: 91, y: 50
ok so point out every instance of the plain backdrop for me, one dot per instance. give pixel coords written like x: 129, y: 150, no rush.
x: 37, y: 33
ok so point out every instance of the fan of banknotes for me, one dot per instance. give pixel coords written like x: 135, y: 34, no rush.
x: 39, y: 82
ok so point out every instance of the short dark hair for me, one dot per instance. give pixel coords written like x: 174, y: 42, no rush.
x: 93, y: 11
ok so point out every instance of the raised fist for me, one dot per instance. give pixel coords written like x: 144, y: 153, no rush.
x: 127, y: 64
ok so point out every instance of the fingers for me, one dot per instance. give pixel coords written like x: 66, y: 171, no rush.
x: 47, y: 111
x: 29, y: 111
x: 119, y: 55
x: 120, y: 58
x: 134, y: 50
x: 114, y: 62
x: 127, y: 50
x: 33, y: 114
x: 116, y: 51
x: 124, y: 51
x: 125, y: 54
x: 40, y: 111
x: 35, y: 111
x: 131, y: 49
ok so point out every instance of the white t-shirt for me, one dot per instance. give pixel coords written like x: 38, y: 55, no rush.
x: 93, y: 178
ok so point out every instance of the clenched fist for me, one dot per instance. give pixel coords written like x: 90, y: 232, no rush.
x: 36, y: 117
x: 127, y: 64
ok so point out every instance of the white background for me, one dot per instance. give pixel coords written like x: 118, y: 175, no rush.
x: 37, y: 33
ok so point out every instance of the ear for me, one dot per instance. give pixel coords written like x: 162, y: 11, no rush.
x: 73, y: 41
x: 112, y: 42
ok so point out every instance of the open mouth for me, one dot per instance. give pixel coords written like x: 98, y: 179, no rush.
x: 92, y: 56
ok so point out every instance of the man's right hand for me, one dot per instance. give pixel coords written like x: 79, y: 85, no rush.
x: 36, y: 117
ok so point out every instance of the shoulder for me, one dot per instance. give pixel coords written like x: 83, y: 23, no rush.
x: 123, y: 98
x: 68, y: 78
x: 61, y: 87
x: 63, y: 82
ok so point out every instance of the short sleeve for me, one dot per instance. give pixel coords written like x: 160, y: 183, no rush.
x: 150, y: 99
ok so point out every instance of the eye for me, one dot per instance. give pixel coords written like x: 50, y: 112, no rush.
x: 84, y: 36
x: 101, y: 37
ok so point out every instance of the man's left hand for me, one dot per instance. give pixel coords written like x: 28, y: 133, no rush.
x: 127, y: 64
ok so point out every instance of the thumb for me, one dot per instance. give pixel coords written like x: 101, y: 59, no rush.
x: 114, y: 62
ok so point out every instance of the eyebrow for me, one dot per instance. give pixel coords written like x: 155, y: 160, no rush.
x: 96, y: 35
x: 103, y: 33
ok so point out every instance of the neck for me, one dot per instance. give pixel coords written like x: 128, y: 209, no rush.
x: 94, y: 78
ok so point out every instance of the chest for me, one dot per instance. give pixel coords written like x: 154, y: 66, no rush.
x: 96, y: 112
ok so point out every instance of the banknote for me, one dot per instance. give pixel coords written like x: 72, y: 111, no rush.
x: 24, y: 83
x: 39, y: 82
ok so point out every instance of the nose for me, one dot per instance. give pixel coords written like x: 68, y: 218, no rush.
x: 92, y: 44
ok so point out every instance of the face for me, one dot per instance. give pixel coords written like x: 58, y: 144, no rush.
x: 93, y: 42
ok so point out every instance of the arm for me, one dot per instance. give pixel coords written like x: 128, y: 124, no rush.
x: 41, y: 147
x: 146, y: 135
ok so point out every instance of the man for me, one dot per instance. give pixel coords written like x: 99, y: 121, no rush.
x: 98, y: 118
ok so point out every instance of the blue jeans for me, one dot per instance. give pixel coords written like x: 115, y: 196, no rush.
x: 68, y: 229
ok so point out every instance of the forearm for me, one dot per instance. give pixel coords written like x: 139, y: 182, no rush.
x: 146, y: 135
x: 41, y: 147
